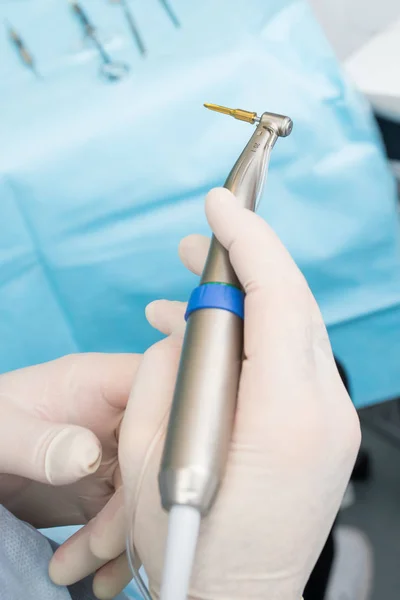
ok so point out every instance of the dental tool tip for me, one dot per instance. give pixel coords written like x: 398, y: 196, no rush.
x: 236, y: 113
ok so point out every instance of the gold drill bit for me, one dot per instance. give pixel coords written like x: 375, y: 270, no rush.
x: 236, y: 113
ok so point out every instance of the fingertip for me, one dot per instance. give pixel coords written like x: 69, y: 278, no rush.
x: 193, y: 251
x: 112, y: 578
x: 155, y: 313
x: 224, y: 215
x: 73, y: 560
x: 101, y: 589
x: 192, y: 242
x: 219, y: 200
x: 52, y: 572
x: 218, y: 196
x: 73, y: 453
x: 188, y: 242
x: 167, y: 316
x: 56, y: 570
x: 150, y: 312
x: 220, y: 205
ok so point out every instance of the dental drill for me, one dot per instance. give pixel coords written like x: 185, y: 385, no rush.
x: 204, y: 402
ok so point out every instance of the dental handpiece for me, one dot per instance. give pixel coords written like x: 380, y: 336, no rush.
x: 204, y: 402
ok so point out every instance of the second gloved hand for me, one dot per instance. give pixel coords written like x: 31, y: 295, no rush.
x: 59, y: 425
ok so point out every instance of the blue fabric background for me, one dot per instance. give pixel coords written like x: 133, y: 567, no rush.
x: 98, y: 181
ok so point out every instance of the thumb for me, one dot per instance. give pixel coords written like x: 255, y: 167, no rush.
x: 43, y: 451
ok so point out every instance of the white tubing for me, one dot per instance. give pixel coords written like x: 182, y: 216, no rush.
x: 183, y: 532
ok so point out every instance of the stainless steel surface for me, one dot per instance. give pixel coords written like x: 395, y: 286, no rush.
x: 203, y: 409
x: 243, y: 181
x: 204, y: 403
x: 280, y: 124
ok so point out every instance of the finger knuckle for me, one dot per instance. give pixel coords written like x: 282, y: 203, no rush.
x: 99, y: 547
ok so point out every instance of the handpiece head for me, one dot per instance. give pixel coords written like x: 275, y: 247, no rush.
x: 279, y: 124
x: 282, y: 126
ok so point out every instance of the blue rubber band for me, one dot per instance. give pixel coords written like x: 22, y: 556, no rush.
x: 216, y: 295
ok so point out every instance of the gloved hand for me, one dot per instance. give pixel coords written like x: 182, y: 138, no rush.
x: 59, y: 425
x: 294, y: 445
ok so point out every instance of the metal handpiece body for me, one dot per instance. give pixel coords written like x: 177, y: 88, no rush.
x: 204, y: 403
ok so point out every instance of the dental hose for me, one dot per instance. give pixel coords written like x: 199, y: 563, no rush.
x: 204, y: 402
x: 133, y: 561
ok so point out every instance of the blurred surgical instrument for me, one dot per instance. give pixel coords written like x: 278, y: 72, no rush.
x: 168, y: 9
x: 132, y: 26
x: 23, y: 52
x: 88, y: 28
x: 110, y: 69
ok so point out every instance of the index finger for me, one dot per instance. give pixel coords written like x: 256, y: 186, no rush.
x: 256, y: 253
x: 278, y: 299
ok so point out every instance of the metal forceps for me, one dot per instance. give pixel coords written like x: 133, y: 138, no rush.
x: 110, y: 69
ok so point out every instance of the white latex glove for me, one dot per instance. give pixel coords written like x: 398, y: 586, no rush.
x: 295, y: 440
x: 59, y: 425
